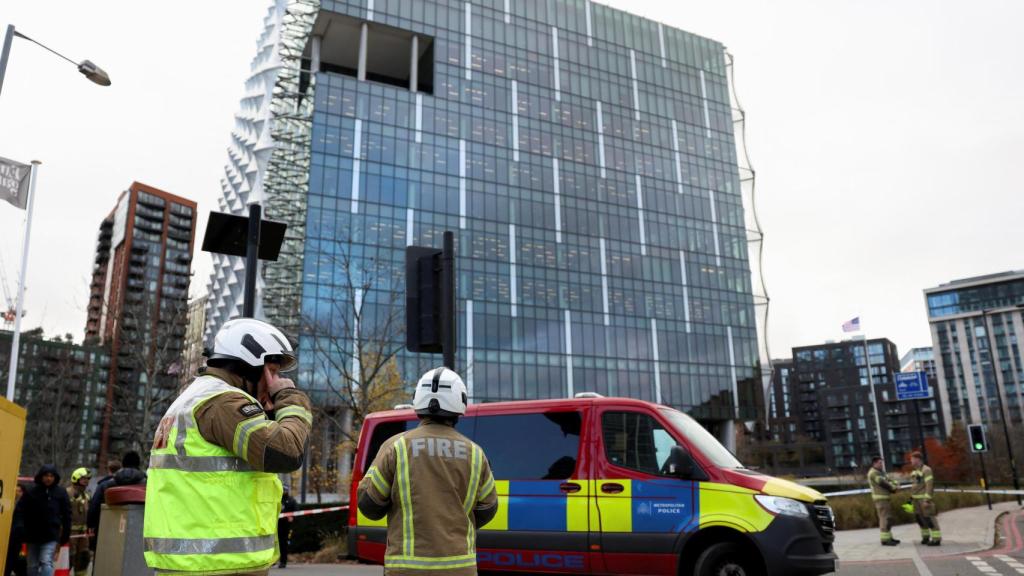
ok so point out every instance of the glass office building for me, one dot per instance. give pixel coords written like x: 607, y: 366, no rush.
x: 583, y: 156
x: 976, y: 326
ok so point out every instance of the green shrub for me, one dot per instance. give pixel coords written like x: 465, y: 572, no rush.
x: 858, y: 511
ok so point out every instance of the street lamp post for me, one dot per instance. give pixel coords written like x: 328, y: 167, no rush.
x: 87, y: 68
x: 999, y: 397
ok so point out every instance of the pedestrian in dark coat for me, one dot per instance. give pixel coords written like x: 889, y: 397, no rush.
x: 284, y: 526
x: 15, y: 562
x: 128, y: 475
x: 47, y: 520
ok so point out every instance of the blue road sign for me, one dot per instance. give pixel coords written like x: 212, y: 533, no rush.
x: 912, y: 386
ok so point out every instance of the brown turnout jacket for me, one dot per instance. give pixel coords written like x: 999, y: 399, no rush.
x: 436, y: 488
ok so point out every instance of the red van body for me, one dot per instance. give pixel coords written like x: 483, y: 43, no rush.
x: 584, y: 487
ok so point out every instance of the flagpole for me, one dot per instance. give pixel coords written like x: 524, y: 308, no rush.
x: 874, y: 399
x: 12, y: 373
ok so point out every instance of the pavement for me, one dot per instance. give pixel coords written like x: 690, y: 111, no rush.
x: 975, y: 542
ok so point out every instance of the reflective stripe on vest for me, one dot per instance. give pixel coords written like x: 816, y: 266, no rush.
x: 210, y: 545
x: 207, y: 511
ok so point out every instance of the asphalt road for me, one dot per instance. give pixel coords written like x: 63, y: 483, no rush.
x: 1006, y: 559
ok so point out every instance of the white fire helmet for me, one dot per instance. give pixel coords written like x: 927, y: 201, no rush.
x: 440, y: 392
x: 254, y: 342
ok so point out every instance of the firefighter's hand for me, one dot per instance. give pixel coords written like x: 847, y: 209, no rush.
x: 271, y: 384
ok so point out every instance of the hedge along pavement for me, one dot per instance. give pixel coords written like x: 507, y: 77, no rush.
x: 308, y: 532
x: 858, y: 511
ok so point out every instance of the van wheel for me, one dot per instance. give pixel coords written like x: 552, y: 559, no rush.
x: 725, y: 559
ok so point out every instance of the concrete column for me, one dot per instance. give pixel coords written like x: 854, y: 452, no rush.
x: 314, y: 65
x: 363, y: 33
x: 727, y: 435
x: 414, y: 59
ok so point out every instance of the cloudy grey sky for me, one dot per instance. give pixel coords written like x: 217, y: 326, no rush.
x: 887, y: 137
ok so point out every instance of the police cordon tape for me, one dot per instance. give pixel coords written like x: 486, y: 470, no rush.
x: 951, y: 490
x: 312, y: 511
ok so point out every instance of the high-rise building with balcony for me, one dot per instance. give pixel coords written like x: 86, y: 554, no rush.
x: 584, y: 157
x: 138, y: 309
x: 64, y: 387
x: 921, y: 359
x: 824, y: 396
x: 977, y: 324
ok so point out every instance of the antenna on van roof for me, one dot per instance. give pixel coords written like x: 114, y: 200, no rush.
x: 588, y: 395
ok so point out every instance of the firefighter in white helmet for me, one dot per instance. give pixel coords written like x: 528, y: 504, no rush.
x: 433, y: 484
x: 213, y: 495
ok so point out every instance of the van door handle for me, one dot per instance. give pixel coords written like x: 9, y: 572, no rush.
x: 569, y: 487
x: 611, y: 488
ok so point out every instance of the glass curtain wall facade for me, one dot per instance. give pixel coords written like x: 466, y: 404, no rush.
x: 977, y: 325
x: 585, y: 159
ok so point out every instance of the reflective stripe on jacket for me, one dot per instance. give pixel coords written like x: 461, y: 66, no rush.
x: 924, y: 480
x: 432, y: 478
x: 881, y: 488
x: 207, y: 511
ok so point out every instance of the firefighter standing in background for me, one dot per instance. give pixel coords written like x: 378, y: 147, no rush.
x: 433, y: 484
x: 213, y: 496
x: 882, y: 490
x: 79, y: 511
x: 924, y: 507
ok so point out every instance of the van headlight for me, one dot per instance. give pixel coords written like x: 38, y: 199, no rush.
x: 784, y: 506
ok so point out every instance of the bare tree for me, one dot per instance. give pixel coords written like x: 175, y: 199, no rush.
x: 354, y: 347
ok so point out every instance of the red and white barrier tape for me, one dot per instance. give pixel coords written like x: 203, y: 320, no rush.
x: 312, y: 511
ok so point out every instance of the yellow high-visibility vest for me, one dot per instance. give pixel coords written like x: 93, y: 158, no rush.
x: 206, y: 510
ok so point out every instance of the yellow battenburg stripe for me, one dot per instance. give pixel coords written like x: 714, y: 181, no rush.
x: 731, y: 506
x: 500, y: 520
x: 579, y: 510
x: 616, y: 509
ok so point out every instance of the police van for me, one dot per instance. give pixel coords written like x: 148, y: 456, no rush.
x: 598, y: 485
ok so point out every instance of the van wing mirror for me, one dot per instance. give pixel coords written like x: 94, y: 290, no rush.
x: 681, y: 465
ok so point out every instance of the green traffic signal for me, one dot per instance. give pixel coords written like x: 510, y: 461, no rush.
x: 978, y: 445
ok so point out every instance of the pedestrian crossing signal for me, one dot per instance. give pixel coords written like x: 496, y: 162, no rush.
x: 976, y: 433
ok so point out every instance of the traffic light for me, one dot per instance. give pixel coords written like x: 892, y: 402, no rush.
x: 976, y: 434
x: 430, y: 300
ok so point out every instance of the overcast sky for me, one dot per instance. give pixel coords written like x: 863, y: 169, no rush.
x: 887, y: 137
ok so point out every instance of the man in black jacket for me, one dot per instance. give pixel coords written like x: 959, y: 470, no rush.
x: 284, y: 526
x: 15, y: 562
x: 128, y: 475
x: 47, y: 513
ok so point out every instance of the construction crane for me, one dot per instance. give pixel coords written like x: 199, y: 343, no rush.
x: 10, y: 313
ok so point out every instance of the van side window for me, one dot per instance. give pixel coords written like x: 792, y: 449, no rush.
x: 636, y: 441
x: 530, y: 446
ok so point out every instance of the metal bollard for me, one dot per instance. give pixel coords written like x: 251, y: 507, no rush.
x: 119, y: 548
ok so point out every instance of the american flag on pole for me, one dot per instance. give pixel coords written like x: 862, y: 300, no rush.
x: 852, y: 325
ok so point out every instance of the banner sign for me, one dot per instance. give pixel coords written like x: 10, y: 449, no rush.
x: 14, y: 182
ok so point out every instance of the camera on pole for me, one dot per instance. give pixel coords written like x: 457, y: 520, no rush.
x: 251, y: 238
x: 430, y: 300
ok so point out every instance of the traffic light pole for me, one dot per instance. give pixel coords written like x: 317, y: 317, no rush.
x: 448, y: 335
x: 252, y: 260
x: 984, y: 479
